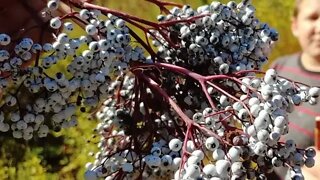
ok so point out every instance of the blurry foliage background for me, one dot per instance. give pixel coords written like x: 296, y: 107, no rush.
x: 63, y: 155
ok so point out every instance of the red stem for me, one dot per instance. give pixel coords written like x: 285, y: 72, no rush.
x: 219, y: 112
x: 155, y: 87
x: 165, y: 3
x: 174, y: 22
x: 184, y: 148
x: 118, y: 14
x: 232, y: 97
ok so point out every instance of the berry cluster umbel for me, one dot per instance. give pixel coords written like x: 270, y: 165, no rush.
x: 39, y: 101
x: 192, y: 109
x: 221, y: 39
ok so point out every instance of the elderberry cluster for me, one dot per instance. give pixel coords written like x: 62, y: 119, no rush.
x: 36, y: 101
x: 193, y: 109
x: 243, y: 142
x: 217, y: 39
x: 238, y: 138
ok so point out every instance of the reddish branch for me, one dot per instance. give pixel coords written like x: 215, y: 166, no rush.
x: 156, y: 88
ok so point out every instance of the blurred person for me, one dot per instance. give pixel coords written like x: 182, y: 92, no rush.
x: 303, y: 67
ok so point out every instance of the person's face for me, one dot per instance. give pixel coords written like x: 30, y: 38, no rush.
x: 306, y: 27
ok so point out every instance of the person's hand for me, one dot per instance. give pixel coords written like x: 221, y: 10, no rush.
x: 30, y: 21
x: 28, y: 17
x: 314, y: 172
x: 16, y: 23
